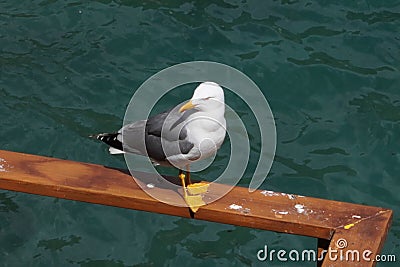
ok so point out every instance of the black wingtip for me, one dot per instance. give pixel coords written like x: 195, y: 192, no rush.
x: 110, y: 139
x: 102, y: 135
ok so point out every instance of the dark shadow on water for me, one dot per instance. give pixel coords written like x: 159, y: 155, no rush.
x: 7, y: 204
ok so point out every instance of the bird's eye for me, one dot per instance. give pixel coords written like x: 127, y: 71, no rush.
x: 207, y: 98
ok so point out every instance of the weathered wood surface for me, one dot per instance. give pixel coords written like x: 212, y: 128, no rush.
x: 363, y: 227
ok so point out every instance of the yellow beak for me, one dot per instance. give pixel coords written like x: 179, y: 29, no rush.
x: 188, y: 105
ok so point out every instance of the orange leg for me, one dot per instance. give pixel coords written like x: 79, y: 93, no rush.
x: 183, y: 178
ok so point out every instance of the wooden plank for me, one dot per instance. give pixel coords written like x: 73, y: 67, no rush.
x: 358, y: 243
x: 267, y: 210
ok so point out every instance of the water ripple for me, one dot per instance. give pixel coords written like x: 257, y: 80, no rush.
x: 57, y: 244
x: 305, y: 170
x: 374, y: 17
x: 7, y: 203
x: 322, y: 58
x: 378, y: 103
x: 330, y: 151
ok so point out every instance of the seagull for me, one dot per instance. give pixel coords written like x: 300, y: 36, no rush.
x: 187, y: 133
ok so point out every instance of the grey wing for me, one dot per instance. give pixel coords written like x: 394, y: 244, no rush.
x: 159, y: 137
x: 166, y: 135
x: 133, y: 137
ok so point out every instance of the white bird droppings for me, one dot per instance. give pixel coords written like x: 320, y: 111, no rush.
x: 356, y: 217
x: 150, y: 185
x: 2, y: 165
x: 299, y: 208
x: 272, y: 193
x: 269, y: 193
x: 235, y: 207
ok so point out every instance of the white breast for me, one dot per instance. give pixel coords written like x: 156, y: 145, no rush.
x: 207, y: 134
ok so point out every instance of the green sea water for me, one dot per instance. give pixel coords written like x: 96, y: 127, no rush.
x: 329, y: 69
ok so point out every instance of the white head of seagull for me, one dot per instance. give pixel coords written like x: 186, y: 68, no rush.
x: 206, y: 125
x: 207, y: 97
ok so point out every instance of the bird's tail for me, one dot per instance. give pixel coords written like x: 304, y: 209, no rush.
x: 111, y: 139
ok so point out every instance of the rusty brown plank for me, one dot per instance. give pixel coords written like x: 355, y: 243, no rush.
x: 261, y: 209
x: 358, y: 243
